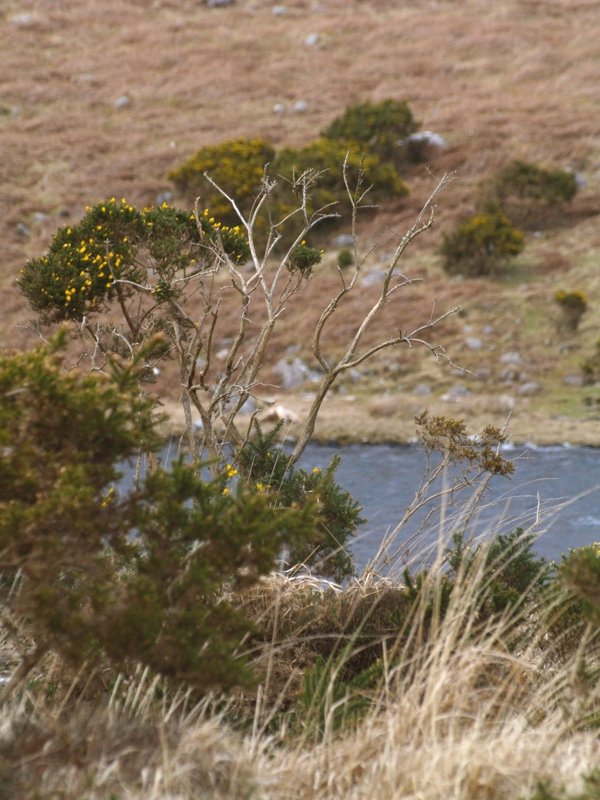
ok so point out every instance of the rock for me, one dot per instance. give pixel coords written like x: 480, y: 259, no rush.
x: 573, y: 380
x: 427, y: 137
x: 124, y: 101
x: 509, y: 375
x: 295, y: 372
x: 279, y: 11
x: 41, y: 217
x: 506, y: 402
x: 344, y: 240
x: 488, y: 330
x: 455, y: 394
x: 279, y: 413
x: 279, y: 108
x: 300, y: 106
x: 164, y: 197
x: 23, y: 20
x: 510, y: 358
x: 218, y: 3
x: 372, y: 278
x: 483, y: 374
x: 528, y: 389
x: 22, y: 229
x: 312, y: 39
x: 473, y: 343
x: 421, y: 389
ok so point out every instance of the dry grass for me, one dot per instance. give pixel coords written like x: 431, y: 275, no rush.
x: 459, y: 716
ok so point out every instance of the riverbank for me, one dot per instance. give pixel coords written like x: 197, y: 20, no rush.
x: 390, y: 418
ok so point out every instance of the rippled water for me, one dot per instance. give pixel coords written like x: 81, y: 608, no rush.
x: 554, y: 489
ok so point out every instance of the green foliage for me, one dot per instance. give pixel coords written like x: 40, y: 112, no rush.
x: 303, y: 258
x: 522, y: 179
x: 266, y: 464
x: 376, y: 126
x: 591, y: 366
x: 345, y: 258
x: 139, y: 577
x: 573, y: 306
x: 237, y: 166
x: 327, y: 158
x: 509, y: 572
x: 579, y: 573
x: 481, y: 245
x: 114, y: 245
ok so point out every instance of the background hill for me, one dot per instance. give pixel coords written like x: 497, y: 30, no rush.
x: 104, y: 99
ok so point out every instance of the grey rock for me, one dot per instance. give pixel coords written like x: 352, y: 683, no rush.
x: 124, y: 101
x: 573, y: 380
x: 512, y: 357
x: 23, y: 20
x: 487, y: 330
x: 219, y: 3
x: 295, y: 372
x: 372, y: 278
x: 40, y: 217
x: 300, y: 106
x: 580, y: 180
x: 509, y: 375
x: 528, y: 389
x: 279, y: 11
x: 455, y: 394
x: 312, y: 39
x: 279, y: 108
x: 421, y: 389
x: 473, y: 343
x: 164, y: 197
x: 22, y: 229
x: 483, y: 374
x: 427, y: 137
x: 344, y: 240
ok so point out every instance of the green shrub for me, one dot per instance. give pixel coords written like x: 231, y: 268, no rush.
x: 510, y: 571
x: 573, y: 306
x: 590, y: 790
x: 481, y: 245
x: 591, y: 367
x: 531, y: 195
x: 379, y: 127
x: 579, y: 573
x: 529, y: 181
x: 264, y: 463
x: 303, y: 258
x: 327, y: 157
x: 115, y: 241
x: 345, y: 258
x: 237, y: 166
x: 93, y: 574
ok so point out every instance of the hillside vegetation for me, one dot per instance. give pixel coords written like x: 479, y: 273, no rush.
x: 92, y: 110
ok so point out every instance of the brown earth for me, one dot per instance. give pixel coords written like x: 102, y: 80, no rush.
x: 503, y: 80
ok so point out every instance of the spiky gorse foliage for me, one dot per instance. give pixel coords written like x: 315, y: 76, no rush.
x: 573, y: 305
x: 114, y: 247
x: 378, y: 127
x: 481, y: 245
x: 100, y: 575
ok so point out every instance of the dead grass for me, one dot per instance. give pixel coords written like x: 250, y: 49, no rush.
x: 458, y: 715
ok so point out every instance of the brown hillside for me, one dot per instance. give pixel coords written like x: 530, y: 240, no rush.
x: 514, y: 78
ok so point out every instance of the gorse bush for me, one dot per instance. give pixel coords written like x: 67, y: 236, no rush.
x: 481, y: 245
x: 111, y: 249
x: 573, y: 305
x: 590, y: 367
x: 378, y: 127
x: 237, y: 166
x: 531, y: 195
x: 99, y: 576
x: 327, y: 158
x: 529, y: 181
x: 265, y: 464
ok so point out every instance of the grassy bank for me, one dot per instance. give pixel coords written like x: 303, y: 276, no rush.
x: 379, y: 689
